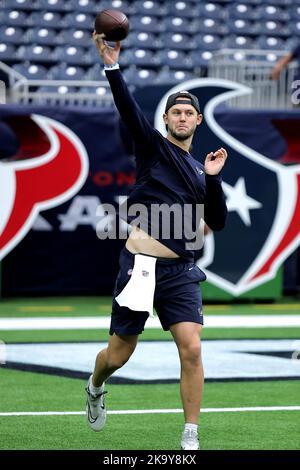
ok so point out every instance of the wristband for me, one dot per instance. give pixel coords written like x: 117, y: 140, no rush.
x: 112, y: 67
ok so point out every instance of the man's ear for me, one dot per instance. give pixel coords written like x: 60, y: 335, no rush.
x: 165, y: 118
x: 199, y: 119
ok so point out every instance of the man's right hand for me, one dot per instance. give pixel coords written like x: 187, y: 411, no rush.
x: 110, y: 55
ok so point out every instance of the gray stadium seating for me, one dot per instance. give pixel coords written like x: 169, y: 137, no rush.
x: 165, y: 37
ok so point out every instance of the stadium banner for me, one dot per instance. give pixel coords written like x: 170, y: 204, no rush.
x: 57, y: 245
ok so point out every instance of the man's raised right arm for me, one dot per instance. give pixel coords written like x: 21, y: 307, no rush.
x: 130, y: 112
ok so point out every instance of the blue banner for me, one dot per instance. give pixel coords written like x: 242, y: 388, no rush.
x: 59, y: 166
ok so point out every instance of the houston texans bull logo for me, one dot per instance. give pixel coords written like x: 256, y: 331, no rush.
x: 263, y: 199
x: 30, y: 186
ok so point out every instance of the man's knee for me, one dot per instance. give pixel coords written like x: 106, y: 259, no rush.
x: 116, y: 361
x: 191, y: 354
x: 118, y: 354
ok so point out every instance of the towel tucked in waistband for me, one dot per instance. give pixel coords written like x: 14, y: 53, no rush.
x: 138, y: 294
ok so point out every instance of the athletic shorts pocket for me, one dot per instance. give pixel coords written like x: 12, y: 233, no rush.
x: 201, y: 276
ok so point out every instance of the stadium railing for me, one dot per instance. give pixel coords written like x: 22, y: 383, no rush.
x: 247, y: 66
x: 28, y: 91
x: 253, y: 68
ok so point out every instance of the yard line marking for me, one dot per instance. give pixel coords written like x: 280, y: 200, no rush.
x: 93, y: 322
x: 159, y: 411
x: 277, y: 307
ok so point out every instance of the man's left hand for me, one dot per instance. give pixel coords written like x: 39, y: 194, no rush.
x: 215, y: 161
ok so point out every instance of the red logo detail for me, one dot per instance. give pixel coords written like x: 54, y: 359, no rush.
x: 41, y: 182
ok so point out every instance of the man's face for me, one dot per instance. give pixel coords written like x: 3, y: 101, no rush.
x: 182, y: 120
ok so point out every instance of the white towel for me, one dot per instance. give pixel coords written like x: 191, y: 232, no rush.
x: 138, y: 294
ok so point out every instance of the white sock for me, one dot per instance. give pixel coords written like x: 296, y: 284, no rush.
x: 191, y: 426
x: 94, y: 390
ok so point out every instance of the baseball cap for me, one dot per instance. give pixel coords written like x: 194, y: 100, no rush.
x: 191, y: 99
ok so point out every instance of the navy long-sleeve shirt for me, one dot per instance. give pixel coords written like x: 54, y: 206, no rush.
x: 165, y: 173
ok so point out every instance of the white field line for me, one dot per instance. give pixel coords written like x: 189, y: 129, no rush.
x: 210, y: 321
x: 160, y: 411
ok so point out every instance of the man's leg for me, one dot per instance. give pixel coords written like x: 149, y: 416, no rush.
x: 119, y: 350
x: 187, y: 338
x: 108, y: 361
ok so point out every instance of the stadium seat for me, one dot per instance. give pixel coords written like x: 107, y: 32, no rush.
x: 10, y: 34
x: 35, y: 53
x: 49, y: 19
x: 95, y: 72
x: 270, y: 57
x: 70, y: 55
x: 125, y: 6
x: 207, y: 42
x: 75, y: 37
x: 139, y: 77
x: 57, y: 5
x: 140, y: 58
x: 295, y: 12
x: 210, y: 26
x: 150, y: 8
x: 210, y: 10
x: 79, y: 20
x: 13, y: 18
x: 291, y: 43
x: 271, y: 28
x: 7, y: 52
x: 295, y: 28
x: 179, y: 41
x: 84, y: 6
x: 22, y: 4
x: 270, y: 42
x: 273, y: 13
x: 31, y: 71
x: 241, y: 27
x: 167, y: 76
x: 43, y: 36
x: 238, y: 56
x: 238, y: 42
x: 182, y: 9
x: 93, y: 58
x: 243, y: 11
x: 60, y: 89
x: 147, y: 24
x: 143, y: 40
x: 177, y: 24
x: 65, y: 72
x: 99, y: 91
x: 201, y: 58
x: 175, y: 59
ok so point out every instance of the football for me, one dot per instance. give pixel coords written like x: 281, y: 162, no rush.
x: 112, y: 24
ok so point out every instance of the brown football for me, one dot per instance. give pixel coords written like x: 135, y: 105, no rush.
x: 113, y: 24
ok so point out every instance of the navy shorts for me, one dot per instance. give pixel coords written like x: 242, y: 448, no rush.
x: 177, y: 296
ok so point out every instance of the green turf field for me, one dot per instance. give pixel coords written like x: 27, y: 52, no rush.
x: 39, y: 392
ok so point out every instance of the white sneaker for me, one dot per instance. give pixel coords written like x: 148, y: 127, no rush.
x: 190, y: 440
x: 95, y: 408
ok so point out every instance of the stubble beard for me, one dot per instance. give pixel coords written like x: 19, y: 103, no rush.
x: 182, y: 137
